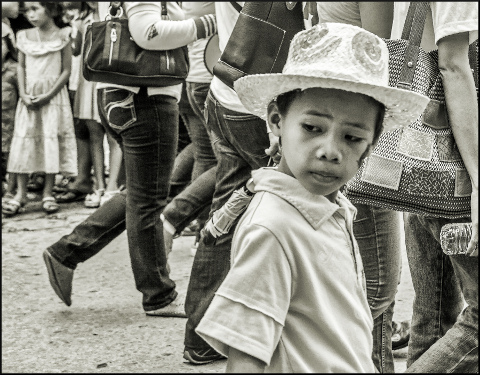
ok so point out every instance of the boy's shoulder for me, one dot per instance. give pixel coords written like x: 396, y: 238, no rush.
x: 272, y: 212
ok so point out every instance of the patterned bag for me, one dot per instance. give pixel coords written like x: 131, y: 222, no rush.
x: 417, y: 169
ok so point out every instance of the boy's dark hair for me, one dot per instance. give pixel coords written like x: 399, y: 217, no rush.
x: 285, y: 100
x: 54, y: 10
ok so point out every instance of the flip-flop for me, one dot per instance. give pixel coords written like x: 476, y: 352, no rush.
x: 50, y: 205
x: 71, y: 195
x: 12, y: 207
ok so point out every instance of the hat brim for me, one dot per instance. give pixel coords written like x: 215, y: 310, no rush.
x: 256, y: 91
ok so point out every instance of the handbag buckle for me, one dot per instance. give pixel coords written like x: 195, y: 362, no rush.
x: 118, y: 13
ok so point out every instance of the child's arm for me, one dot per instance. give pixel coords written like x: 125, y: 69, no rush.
x: 21, y: 81
x: 462, y: 108
x: 62, y: 80
x: 241, y: 362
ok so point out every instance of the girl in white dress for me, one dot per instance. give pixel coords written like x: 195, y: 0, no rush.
x: 44, y: 138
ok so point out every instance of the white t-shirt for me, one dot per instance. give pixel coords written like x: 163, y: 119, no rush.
x: 445, y: 18
x: 227, y: 16
x: 198, y: 71
x: 295, y: 296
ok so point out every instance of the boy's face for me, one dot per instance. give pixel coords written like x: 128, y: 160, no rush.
x: 324, y: 134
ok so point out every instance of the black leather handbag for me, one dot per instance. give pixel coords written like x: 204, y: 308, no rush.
x: 111, y: 56
x: 260, y: 40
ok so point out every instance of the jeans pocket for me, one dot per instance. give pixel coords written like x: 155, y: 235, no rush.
x: 119, y: 108
x: 249, y: 135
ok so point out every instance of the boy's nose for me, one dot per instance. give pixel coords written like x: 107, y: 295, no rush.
x: 329, y: 150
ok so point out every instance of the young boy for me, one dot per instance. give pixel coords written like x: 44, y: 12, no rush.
x: 294, y: 299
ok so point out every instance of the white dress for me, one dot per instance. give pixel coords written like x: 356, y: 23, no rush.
x: 43, y: 139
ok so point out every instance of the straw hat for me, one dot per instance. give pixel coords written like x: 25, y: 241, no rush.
x: 336, y: 56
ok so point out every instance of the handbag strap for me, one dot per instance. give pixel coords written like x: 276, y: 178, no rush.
x: 237, y: 7
x: 412, y: 31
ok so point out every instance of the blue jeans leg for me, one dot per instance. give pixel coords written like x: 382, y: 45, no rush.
x: 444, y: 336
x: 93, y: 234
x: 195, y: 123
x: 147, y: 129
x: 193, y: 200
x: 377, y: 232
x: 239, y: 141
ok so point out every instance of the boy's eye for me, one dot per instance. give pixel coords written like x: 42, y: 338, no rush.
x: 352, y: 138
x: 311, y: 128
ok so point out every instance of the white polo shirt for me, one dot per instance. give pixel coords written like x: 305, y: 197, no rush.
x: 295, y: 294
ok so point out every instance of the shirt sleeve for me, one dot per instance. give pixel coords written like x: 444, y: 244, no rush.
x: 249, y: 309
x: 151, y: 32
x: 451, y: 18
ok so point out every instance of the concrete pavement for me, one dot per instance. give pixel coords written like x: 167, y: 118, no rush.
x: 105, y: 330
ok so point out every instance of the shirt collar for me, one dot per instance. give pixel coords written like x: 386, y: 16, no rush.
x: 315, y: 208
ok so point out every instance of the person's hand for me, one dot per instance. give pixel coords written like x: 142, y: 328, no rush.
x: 27, y: 99
x: 274, y: 150
x: 41, y: 100
x: 472, y: 249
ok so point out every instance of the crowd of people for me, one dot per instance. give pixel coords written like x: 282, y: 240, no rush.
x: 305, y: 280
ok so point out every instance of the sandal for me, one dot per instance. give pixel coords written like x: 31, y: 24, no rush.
x: 50, y: 205
x: 37, y: 182
x: 400, y: 334
x: 71, y: 195
x: 62, y: 186
x: 7, y: 197
x: 12, y: 207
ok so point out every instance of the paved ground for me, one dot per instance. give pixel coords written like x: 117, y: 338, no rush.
x: 105, y: 329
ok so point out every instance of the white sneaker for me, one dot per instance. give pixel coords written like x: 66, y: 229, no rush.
x: 93, y: 200
x: 107, y: 196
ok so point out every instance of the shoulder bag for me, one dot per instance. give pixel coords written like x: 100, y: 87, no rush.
x: 111, y: 56
x: 260, y: 39
x: 417, y: 169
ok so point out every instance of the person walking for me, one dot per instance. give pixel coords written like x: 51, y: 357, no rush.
x: 239, y: 139
x: 444, y: 329
x: 149, y: 143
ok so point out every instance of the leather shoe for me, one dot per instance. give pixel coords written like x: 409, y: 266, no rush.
x: 60, y: 277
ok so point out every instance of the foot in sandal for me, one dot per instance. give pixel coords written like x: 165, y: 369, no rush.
x: 50, y: 205
x: 12, y: 207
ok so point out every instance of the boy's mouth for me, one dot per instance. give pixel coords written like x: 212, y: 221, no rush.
x: 324, y: 177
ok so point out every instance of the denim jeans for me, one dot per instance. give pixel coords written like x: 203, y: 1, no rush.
x: 444, y: 336
x: 194, y: 201
x: 93, y: 234
x: 182, y: 171
x: 202, y: 146
x: 377, y: 232
x: 146, y: 128
x: 239, y: 140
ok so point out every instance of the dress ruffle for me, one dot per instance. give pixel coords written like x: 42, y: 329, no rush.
x: 36, y: 48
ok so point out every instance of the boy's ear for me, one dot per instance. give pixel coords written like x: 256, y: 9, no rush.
x: 274, y: 118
